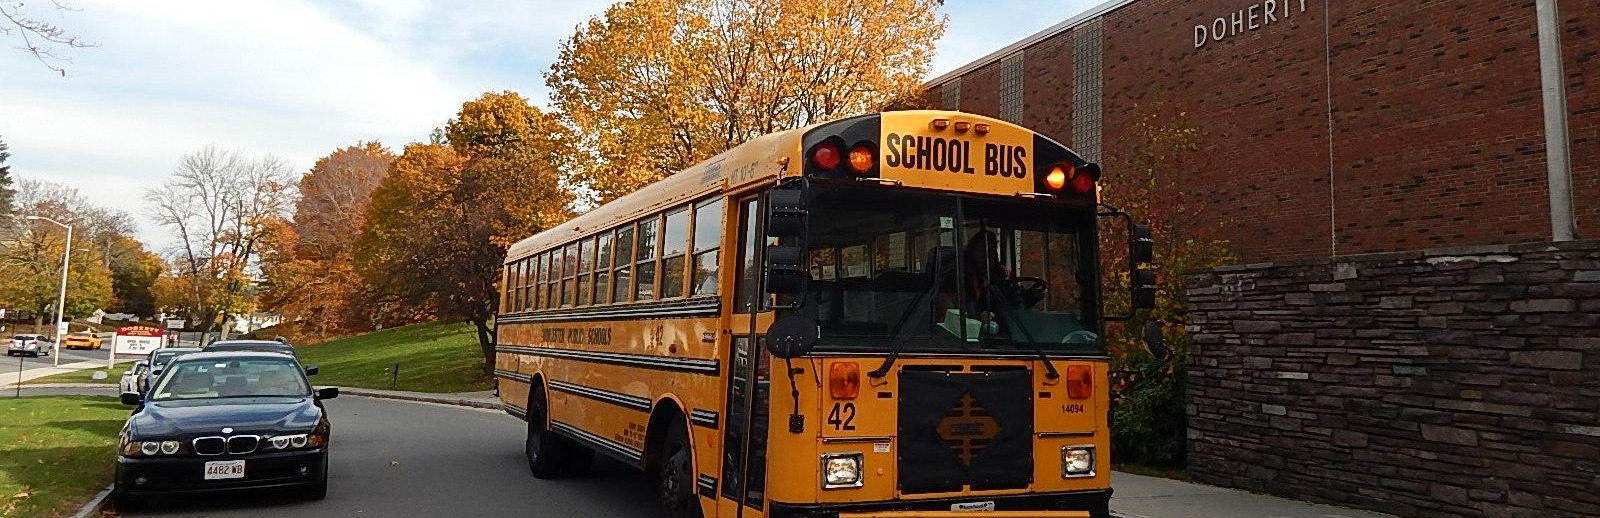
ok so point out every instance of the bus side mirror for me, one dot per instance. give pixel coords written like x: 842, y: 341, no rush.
x: 1143, y: 283
x: 1141, y: 244
x: 792, y: 336
x: 786, y: 269
x: 786, y: 212
x: 1154, y: 342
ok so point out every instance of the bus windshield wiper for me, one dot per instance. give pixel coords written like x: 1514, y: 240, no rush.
x: 900, y: 336
x: 1014, y: 325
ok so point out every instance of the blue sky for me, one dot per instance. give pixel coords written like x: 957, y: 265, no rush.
x: 298, y: 78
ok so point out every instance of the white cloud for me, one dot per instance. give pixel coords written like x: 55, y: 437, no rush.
x: 298, y: 78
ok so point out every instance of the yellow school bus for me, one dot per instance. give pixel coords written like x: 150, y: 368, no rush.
x: 890, y: 315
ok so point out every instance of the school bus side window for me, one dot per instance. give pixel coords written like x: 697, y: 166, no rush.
x: 645, y: 267
x: 707, y: 239
x: 622, y: 280
x: 569, y: 270
x: 585, y: 268
x: 521, y: 283
x: 553, y: 284
x: 745, y: 290
x: 674, y: 246
x: 541, y: 266
x: 602, y: 270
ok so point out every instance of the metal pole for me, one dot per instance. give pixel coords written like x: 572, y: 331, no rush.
x: 19, y: 374
x: 1552, y: 79
x: 61, y: 299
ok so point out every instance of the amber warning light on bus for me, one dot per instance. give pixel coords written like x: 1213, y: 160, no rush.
x: 1061, y: 175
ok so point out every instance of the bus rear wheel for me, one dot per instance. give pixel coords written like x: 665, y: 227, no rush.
x: 675, y: 479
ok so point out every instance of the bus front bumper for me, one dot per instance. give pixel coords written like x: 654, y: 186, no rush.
x: 1077, y: 504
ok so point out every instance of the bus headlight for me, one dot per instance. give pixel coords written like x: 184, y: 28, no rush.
x: 1077, y: 461
x: 841, y: 470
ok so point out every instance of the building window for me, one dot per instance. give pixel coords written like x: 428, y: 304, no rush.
x: 1011, y: 88
x: 1086, y: 89
x: 644, y: 268
x: 707, y: 239
x: 950, y: 95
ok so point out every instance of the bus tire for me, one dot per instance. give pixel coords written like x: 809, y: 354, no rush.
x: 675, y: 478
x: 543, y: 448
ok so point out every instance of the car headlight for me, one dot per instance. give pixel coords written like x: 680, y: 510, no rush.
x: 170, y: 447
x: 149, y: 447
x: 1077, y: 461
x: 841, y: 470
x: 284, y: 442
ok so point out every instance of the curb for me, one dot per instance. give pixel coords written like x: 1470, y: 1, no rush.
x: 442, y: 400
x: 95, y: 504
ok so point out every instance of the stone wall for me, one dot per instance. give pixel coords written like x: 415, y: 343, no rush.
x: 1459, y: 382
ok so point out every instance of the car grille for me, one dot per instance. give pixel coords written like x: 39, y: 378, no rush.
x: 210, y: 446
x: 235, y: 445
x: 242, y: 444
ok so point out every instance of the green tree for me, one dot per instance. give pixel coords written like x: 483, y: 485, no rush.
x: 1148, y: 420
x: 30, y: 256
x: 439, y: 224
x: 134, y: 271
x: 7, y: 192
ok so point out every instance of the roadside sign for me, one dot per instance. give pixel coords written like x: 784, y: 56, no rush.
x: 137, y: 340
x: 175, y: 323
x: 61, y: 330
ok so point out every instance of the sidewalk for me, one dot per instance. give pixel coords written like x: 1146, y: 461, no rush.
x: 10, y: 379
x: 1137, y: 496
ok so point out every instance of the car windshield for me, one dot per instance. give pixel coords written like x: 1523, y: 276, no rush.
x: 948, y: 272
x: 25, y: 338
x: 161, y: 359
x: 231, y: 377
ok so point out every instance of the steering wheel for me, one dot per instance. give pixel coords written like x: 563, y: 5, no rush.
x: 1032, y: 290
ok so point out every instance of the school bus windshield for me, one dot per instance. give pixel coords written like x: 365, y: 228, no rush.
x: 933, y: 272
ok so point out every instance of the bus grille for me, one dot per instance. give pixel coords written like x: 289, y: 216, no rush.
x: 965, y: 430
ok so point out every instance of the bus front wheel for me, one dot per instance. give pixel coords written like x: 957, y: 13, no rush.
x: 675, y: 478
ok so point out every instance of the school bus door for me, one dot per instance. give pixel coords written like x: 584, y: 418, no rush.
x: 743, y: 472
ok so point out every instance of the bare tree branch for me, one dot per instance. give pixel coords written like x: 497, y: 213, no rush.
x: 38, y: 35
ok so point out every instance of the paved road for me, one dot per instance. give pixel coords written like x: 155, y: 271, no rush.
x: 452, y: 462
x: 8, y: 364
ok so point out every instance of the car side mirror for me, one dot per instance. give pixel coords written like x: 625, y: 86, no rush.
x: 132, y: 398
x: 327, y: 392
x: 311, y: 370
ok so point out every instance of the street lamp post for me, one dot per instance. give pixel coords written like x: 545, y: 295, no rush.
x: 61, y: 298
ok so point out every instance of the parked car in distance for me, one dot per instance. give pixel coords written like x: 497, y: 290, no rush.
x: 133, y: 376
x: 29, y: 344
x: 224, y: 421
x: 158, y: 361
x: 269, y: 346
x: 81, y: 340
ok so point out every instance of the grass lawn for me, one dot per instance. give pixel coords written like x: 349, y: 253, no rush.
x: 440, y: 357
x: 56, y: 452
x: 81, y: 376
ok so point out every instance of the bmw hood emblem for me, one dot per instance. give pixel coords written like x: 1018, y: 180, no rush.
x: 227, y: 430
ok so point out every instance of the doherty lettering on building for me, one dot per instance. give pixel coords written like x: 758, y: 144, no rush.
x: 1256, y: 16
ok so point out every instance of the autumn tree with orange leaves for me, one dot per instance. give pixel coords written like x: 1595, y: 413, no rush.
x: 655, y: 86
x: 439, y: 224
x: 308, y: 261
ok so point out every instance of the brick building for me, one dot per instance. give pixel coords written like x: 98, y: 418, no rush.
x: 1411, y: 334
x: 1340, y: 127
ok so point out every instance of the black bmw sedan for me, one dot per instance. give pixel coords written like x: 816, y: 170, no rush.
x: 222, y: 421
